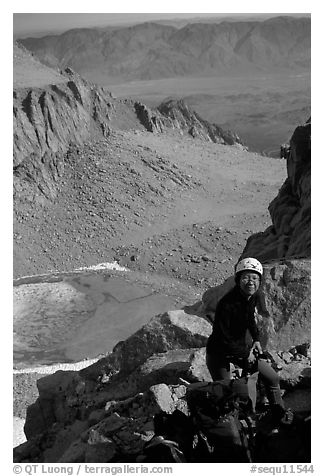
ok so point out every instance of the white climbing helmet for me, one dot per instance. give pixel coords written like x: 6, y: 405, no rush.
x: 249, y: 264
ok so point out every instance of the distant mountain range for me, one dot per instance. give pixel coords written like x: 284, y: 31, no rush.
x: 155, y: 50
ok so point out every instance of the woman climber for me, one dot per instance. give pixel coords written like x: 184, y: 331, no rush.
x: 234, y: 316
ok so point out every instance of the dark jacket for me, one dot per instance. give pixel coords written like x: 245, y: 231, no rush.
x: 233, y: 317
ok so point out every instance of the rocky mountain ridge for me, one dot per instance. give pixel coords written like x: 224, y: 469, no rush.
x: 44, y: 131
x: 150, y: 50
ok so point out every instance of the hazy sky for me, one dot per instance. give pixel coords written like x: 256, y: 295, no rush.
x: 29, y: 23
x: 33, y: 22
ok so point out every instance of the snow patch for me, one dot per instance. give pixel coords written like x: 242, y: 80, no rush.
x: 97, y: 267
x: 50, y: 369
x: 114, y: 266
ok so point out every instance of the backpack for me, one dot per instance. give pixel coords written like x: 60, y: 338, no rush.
x: 229, y: 441
x: 222, y: 396
x: 220, y: 413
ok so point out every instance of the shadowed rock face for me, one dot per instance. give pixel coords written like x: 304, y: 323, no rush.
x: 48, y: 121
x: 290, y: 234
x: 42, y: 117
x: 182, y: 117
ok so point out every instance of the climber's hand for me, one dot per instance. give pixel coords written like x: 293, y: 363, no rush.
x: 256, y: 348
x: 251, y: 357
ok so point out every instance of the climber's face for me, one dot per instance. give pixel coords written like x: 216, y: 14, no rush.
x: 249, y: 282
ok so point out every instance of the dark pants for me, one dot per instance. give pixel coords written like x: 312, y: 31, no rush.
x: 219, y: 368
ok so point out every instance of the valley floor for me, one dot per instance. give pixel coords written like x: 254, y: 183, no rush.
x: 173, y: 206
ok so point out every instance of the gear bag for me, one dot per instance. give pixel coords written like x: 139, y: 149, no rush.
x: 220, y: 411
x: 223, y: 396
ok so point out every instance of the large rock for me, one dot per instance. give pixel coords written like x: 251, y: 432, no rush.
x: 162, y: 368
x: 168, y: 331
x: 290, y: 232
x: 286, y: 315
